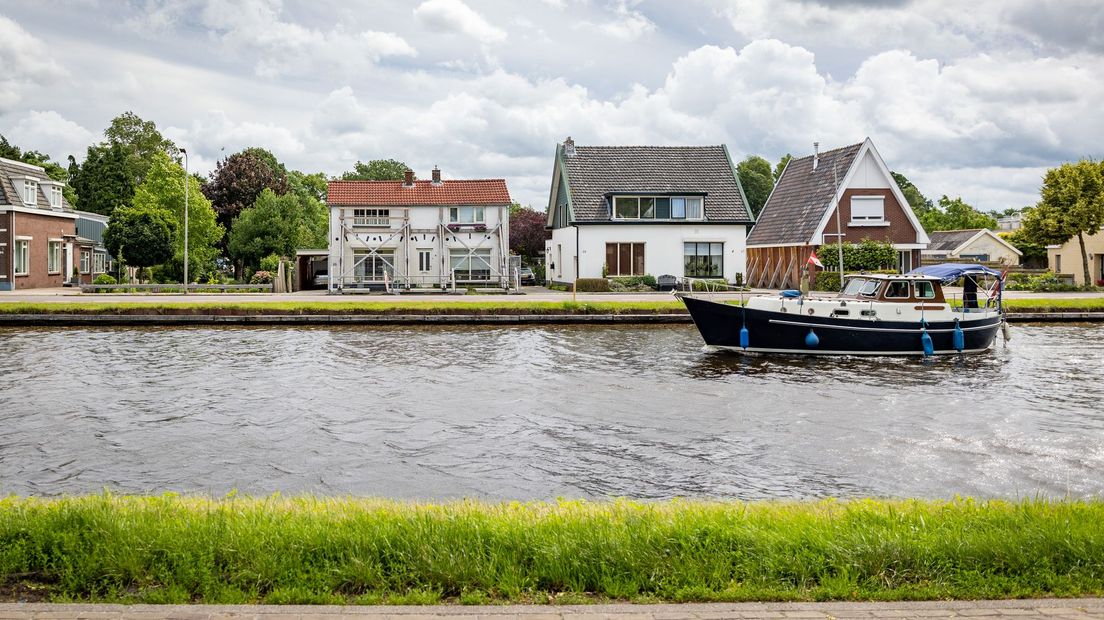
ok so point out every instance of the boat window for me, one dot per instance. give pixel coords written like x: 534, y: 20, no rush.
x: 854, y: 285
x: 924, y: 289
x: 869, y: 288
x: 897, y: 289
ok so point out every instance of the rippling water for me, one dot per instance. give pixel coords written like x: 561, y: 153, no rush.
x: 527, y: 412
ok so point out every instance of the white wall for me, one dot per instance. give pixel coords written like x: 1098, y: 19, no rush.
x: 561, y: 254
x: 663, y: 246
x: 867, y: 174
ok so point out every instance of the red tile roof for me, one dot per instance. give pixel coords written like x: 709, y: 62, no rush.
x: 392, y: 193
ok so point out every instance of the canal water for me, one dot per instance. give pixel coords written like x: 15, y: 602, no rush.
x: 538, y: 413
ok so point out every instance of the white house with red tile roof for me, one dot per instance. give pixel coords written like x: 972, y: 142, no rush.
x: 413, y: 234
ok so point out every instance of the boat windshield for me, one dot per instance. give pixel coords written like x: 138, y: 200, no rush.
x: 869, y: 288
x: 854, y: 285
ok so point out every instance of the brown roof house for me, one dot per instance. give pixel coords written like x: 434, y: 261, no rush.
x: 975, y: 244
x: 411, y: 234
x: 645, y: 210
x: 38, y: 234
x: 800, y: 214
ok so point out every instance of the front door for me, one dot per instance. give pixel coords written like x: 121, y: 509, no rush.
x: 67, y: 274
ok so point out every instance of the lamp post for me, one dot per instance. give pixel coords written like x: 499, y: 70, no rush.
x: 185, y: 152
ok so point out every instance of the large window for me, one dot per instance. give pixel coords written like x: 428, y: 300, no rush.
x: 53, y: 257
x: 30, y: 193
x: 657, y: 207
x: 55, y: 196
x: 22, y: 257
x: 474, y: 266
x: 371, y: 217
x: 625, y: 259
x: 424, y: 263
x: 704, y: 260
x: 85, y: 261
x: 466, y: 215
x: 867, y: 210
x: 99, y: 263
x: 372, y: 267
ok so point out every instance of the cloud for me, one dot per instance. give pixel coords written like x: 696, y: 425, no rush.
x: 216, y: 135
x: 453, y: 16
x: 51, y: 133
x: 627, y: 24
x: 24, y: 64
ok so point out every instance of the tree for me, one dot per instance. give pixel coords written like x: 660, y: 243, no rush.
x: 104, y: 182
x: 140, y: 237
x: 758, y: 181
x: 1034, y: 254
x: 163, y: 190
x: 239, y: 179
x: 1071, y: 205
x: 377, y: 170
x: 915, y: 199
x: 53, y: 169
x: 527, y: 231
x: 303, y: 184
x: 277, y: 225
x: 781, y: 166
x: 954, y: 215
x: 140, y: 140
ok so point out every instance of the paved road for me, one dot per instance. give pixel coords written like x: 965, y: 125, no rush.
x: 1058, y: 609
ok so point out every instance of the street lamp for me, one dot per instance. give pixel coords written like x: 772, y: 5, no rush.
x: 185, y: 152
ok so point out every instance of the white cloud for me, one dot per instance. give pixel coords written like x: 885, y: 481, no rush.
x: 215, y: 135
x: 627, y: 23
x: 453, y: 16
x: 24, y: 64
x: 51, y: 133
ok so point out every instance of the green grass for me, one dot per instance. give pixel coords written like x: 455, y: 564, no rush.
x: 1089, y: 304
x: 347, y: 307
x: 172, y: 549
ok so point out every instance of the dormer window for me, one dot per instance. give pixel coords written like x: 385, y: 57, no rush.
x: 657, y: 207
x: 30, y: 193
x: 55, y: 196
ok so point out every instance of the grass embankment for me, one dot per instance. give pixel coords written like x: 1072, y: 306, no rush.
x: 347, y: 307
x: 306, y: 550
x: 1088, y: 304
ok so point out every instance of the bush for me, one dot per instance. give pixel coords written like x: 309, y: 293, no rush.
x: 592, y: 285
x: 1048, y: 282
x: 869, y: 255
x: 634, y: 281
x: 262, y: 277
x: 710, y: 285
x: 270, y: 263
x: 105, y: 278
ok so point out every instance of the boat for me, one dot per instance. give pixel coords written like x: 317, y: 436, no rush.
x: 874, y: 314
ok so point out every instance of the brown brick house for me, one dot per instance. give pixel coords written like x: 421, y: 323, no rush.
x: 38, y: 236
x: 800, y: 214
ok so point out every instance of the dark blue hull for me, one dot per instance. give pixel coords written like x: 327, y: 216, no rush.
x: 775, y: 332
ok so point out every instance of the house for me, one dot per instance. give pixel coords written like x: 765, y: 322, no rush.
x: 976, y: 244
x: 1010, y: 223
x: 413, y: 234
x: 800, y: 214
x: 38, y: 246
x: 645, y: 210
x: 1065, y: 258
x: 92, y: 257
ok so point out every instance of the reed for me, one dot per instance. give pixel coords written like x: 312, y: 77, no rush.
x: 332, y: 550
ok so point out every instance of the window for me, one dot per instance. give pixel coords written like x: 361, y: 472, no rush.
x: 55, y: 196
x: 625, y: 259
x: 466, y: 215
x: 85, y: 262
x: 471, y: 266
x: 99, y: 262
x: 904, y: 261
x: 372, y: 267
x: 371, y: 217
x: 704, y: 260
x: 854, y: 285
x: 22, y: 257
x: 424, y: 260
x: 1057, y: 263
x: 53, y: 257
x: 869, y: 288
x: 924, y: 289
x: 867, y: 210
x: 657, y: 208
x: 30, y: 192
x: 897, y: 289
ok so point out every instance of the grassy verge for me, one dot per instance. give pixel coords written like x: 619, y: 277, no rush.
x: 347, y: 307
x: 1090, y: 304
x: 307, y: 550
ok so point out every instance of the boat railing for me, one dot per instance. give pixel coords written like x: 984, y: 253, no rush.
x: 688, y: 286
x: 982, y: 303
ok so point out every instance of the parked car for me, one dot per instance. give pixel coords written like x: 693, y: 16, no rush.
x: 322, y: 279
x: 526, y: 275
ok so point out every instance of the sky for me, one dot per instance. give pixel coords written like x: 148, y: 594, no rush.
x: 971, y: 99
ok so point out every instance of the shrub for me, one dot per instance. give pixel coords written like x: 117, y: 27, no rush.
x: 592, y: 285
x: 270, y: 263
x: 710, y: 285
x: 868, y: 255
x: 262, y: 277
x: 635, y: 281
x: 105, y: 278
x: 1048, y: 282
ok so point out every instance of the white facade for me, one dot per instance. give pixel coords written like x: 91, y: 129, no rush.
x: 418, y: 246
x: 664, y: 247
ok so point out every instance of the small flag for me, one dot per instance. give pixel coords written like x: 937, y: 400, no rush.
x: 813, y: 260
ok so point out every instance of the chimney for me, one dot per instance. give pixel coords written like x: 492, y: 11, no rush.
x: 436, y: 175
x: 409, y: 182
x: 569, y: 147
x: 816, y: 155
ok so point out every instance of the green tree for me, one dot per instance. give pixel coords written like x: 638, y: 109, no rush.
x: 1034, y: 253
x: 140, y: 237
x: 919, y: 203
x: 1071, y: 205
x: 377, y: 170
x: 781, y: 166
x: 239, y: 179
x: 104, y: 181
x: 141, y: 141
x: 303, y: 184
x: 277, y: 224
x: 954, y: 214
x: 163, y: 189
x: 757, y: 180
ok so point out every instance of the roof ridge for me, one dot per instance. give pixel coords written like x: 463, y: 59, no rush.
x: 958, y: 230
x: 415, y: 180
x: 648, y: 146
x: 823, y: 153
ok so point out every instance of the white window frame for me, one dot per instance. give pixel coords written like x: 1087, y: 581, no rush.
x: 916, y: 289
x: 99, y: 262
x: 684, y: 199
x: 22, y: 255
x: 478, y: 215
x: 425, y: 260
x: 53, y: 256
x: 30, y: 192
x: 908, y: 289
x: 55, y: 197
x: 365, y: 218
x: 867, y: 204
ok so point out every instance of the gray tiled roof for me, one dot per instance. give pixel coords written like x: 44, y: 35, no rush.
x: 802, y: 197
x: 595, y: 171
x: 10, y: 195
x: 947, y: 240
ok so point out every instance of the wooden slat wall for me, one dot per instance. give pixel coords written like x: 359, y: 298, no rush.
x: 776, y: 267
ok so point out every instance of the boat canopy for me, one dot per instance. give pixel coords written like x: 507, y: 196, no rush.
x: 949, y: 272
